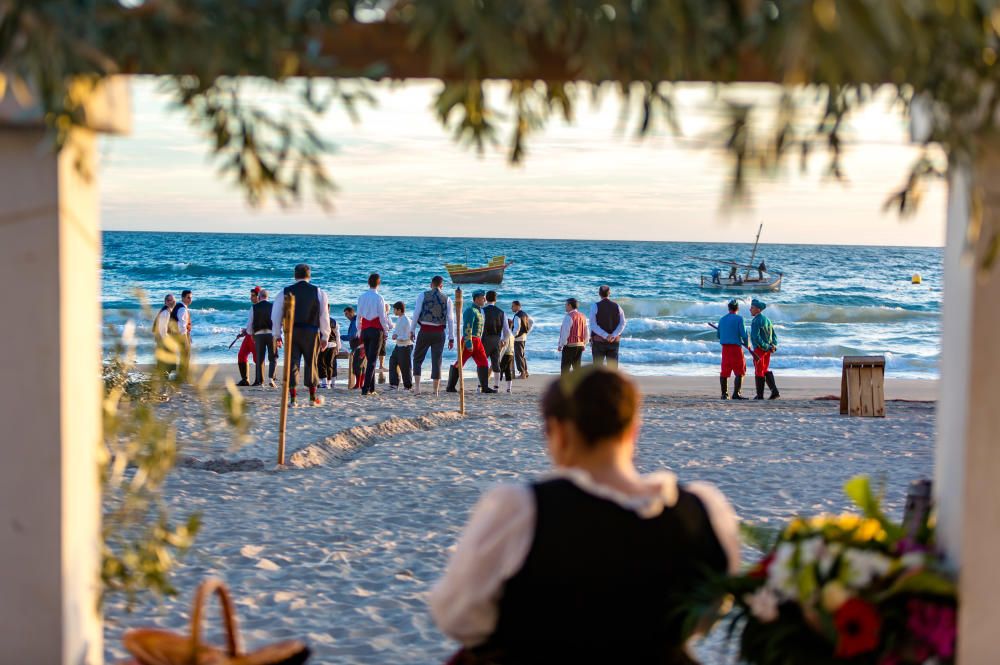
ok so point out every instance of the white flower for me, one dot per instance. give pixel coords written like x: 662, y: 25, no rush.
x: 780, y: 575
x: 810, y: 550
x: 763, y: 604
x: 829, y: 557
x: 863, y: 566
x: 913, y: 560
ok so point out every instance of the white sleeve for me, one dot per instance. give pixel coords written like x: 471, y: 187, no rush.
x: 416, y: 309
x: 505, y: 333
x: 249, y: 326
x: 597, y: 329
x: 725, y: 524
x: 493, y: 547
x: 383, y: 317
x: 517, y: 325
x: 324, y: 316
x: 564, y: 330
x: 621, y: 323
x: 277, y: 312
x: 450, y: 319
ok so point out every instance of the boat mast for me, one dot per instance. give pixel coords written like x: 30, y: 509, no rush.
x: 754, y: 252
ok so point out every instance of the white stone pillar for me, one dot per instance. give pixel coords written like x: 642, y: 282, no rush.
x: 968, y: 436
x: 50, y: 394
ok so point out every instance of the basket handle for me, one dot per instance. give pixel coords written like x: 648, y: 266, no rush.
x: 228, y: 616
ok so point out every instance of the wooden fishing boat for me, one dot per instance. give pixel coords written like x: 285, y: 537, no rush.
x: 769, y: 283
x: 491, y: 273
x: 763, y: 279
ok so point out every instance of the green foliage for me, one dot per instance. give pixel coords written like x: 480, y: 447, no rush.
x: 142, y: 540
x: 832, y: 55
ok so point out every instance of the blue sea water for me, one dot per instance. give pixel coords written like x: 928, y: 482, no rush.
x: 834, y: 301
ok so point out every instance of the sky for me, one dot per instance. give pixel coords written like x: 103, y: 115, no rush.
x: 399, y: 172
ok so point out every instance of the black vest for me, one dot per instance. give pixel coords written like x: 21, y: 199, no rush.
x: 262, y: 316
x: 601, y: 584
x: 608, y: 317
x: 493, y: 320
x: 306, y: 304
x: 523, y: 330
x: 176, y: 311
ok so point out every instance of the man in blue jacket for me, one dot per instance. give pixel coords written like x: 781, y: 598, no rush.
x: 732, y: 334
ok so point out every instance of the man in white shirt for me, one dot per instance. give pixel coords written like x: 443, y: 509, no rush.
x: 179, y: 326
x: 374, y: 323
x: 400, y: 360
x: 310, y: 330
x: 607, y: 323
x: 434, y: 314
x: 522, y: 326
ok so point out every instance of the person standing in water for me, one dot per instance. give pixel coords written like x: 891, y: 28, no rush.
x: 522, y: 326
x: 732, y: 334
x: 310, y: 331
x: 247, y: 346
x: 765, y: 342
x: 472, y: 345
x: 607, y: 323
x: 261, y: 327
x: 374, y: 326
x: 434, y: 315
x: 572, y: 337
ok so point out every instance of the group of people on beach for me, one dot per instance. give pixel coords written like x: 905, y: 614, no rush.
x: 494, y: 339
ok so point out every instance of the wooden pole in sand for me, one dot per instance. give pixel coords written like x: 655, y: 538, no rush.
x: 287, y: 324
x: 461, y: 347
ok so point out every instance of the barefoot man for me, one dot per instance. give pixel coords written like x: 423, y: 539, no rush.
x: 434, y: 316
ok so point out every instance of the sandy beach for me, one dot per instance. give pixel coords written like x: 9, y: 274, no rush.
x: 342, y: 545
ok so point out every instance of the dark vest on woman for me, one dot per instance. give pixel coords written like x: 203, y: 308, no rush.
x: 306, y: 305
x: 262, y: 316
x: 493, y: 320
x: 601, y: 584
x: 608, y: 316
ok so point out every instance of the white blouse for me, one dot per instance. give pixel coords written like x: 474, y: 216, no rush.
x: 496, y: 541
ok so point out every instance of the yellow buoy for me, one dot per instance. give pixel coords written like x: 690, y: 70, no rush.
x: 916, y: 279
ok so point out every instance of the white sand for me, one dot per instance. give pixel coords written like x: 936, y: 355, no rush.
x: 341, y: 547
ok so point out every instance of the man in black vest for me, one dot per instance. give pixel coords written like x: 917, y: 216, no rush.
x: 607, y: 322
x: 263, y: 339
x: 494, y: 322
x: 310, y: 332
x: 522, y: 326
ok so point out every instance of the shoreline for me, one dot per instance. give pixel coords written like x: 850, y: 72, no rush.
x: 707, y: 387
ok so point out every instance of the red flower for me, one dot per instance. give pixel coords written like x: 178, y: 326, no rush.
x: 858, y: 626
x: 759, y: 571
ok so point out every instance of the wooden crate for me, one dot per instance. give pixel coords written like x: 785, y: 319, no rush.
x: 862, y: 386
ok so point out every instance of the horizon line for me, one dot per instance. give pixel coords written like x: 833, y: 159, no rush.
x: 504, y: 239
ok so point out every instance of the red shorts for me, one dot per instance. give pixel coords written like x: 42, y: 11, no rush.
x: 733, y: 361
x: 478, y: 353
x: 247, y: 348
x: 761, y: 362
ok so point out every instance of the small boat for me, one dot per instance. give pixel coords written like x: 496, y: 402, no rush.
x: 491, y: 273
x: 764, y: 280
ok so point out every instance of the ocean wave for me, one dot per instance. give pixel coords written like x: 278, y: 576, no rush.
x: 647, y: 309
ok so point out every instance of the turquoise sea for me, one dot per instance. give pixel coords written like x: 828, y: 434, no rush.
x: 835, y: 300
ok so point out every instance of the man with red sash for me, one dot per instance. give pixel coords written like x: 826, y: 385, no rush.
x: 765, y: 342
x: 374, y: 324
x: 573, y: 337
x: 472, y: 345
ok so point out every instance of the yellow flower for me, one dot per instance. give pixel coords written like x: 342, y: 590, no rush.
x: 833, y: 595
x: 870, y: 530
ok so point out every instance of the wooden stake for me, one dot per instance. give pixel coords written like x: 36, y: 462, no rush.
x: 287, y: 324
x: 461, y: 348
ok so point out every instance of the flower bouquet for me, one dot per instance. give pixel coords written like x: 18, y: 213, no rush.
x: 846, y: 589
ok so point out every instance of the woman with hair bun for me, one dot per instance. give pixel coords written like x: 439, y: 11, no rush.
x: 591, y: 563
